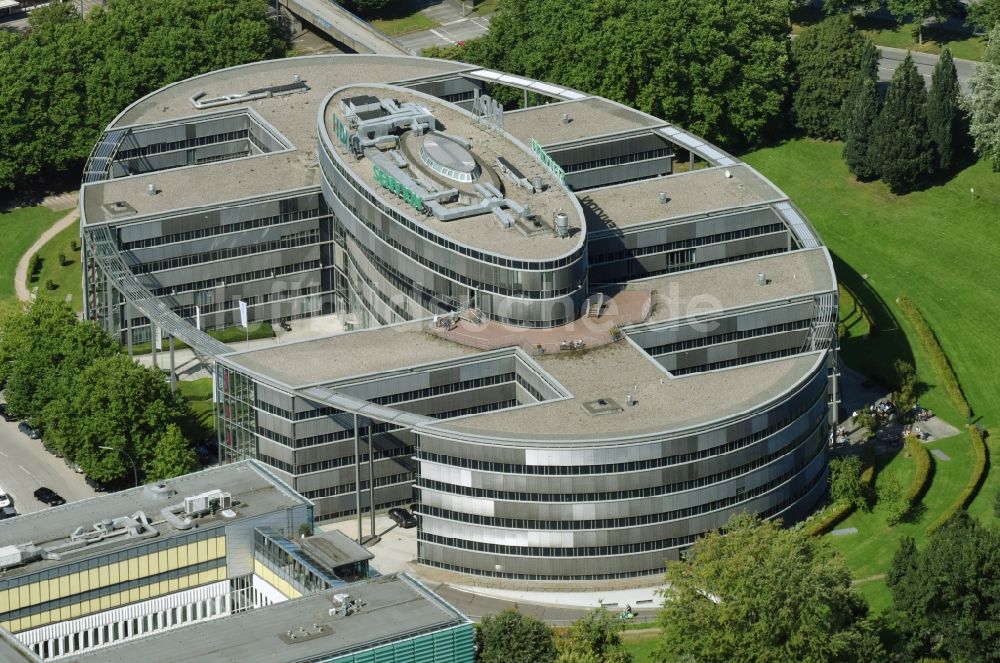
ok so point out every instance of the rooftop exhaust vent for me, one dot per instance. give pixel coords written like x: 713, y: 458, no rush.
x: 663, y: 198
x: 762, y: 279
x: 159, y: 491
x: 602, y: 406
x: 565, y: 118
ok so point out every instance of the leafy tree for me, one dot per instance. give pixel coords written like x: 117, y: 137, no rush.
x: 865, y: 418
x: 904, y: 562
x: 172, y: 456
x: 67, y: 77
x: 826, y: 59
x: 982, y: 103
x: 369, y: 8
x: 716, y: 67
x: 511, y: 637
x: 984, y: 14
x: 921, y: 10
x: 120, y: 404
x: 906, y: 385
x: 595, y: 638
x: 945, y: 119
x: 891, y: 498
x: 851, y: 6
x: 947, y: 595
x: 42, y: 350
x: 901, y: 143
x: 761, y: 593
x: 846, y: 484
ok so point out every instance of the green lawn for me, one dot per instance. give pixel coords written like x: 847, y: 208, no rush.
x: 199, y: 395
x: 20, y: 228
x: 67, y: 278
x: 641, y: 644
x: 230, y: 335
x: 900, y: 35
x: 406, y: 17
x: 896, y: 35
x: 939, y: 247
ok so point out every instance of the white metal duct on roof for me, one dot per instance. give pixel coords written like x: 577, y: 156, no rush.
x: 798, y: 225
x: 364, y: 408
x: 526, y: 83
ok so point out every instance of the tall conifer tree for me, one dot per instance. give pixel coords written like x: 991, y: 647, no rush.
x: 901, y: 145
x: 860, y: 112
x: 945, y: 120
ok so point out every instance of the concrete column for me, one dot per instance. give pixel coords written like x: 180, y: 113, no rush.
x: 357, y: 477
x: 173, y: 371
x: 152, y: 342
x: 371, y: 477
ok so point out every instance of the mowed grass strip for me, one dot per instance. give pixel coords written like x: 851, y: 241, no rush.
x: 939, y: 246
x: 20, y: 228
x: 67, y: 278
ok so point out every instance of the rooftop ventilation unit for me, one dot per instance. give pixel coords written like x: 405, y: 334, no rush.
x: 663, y: 198
x: 562, y: 224
x: 762, y: 278
x: 565, y: 118
x: 213, y: 500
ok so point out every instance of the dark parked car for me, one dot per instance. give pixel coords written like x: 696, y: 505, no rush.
x: 402, y: 517
x: 7, y: 512
x: 7, y: 416
x: 95, y: 484
x: 48, y: 496
x: 26, y: 428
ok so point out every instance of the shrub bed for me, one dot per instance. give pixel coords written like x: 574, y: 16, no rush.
x: 838, y: 512
x: 975, y: 479
x: 925, y: 467
x: 938, y: 358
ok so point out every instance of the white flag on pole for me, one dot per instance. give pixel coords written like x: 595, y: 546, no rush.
x: 159, y: 338
x: 197, y: 317
x: 243, y: 315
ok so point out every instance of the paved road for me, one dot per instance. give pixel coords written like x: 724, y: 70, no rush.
x: 25, y: 465
x: 324, y: 15
x: 453, y: 29
x: 20, y: 21
x: 891, y: 57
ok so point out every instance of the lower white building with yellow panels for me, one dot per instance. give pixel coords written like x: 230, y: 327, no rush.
x: 95, y: 572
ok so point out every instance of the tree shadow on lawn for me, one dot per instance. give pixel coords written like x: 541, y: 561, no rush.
x: 873, y: 355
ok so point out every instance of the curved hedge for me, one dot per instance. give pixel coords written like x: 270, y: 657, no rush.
x: 925, y: 468
x: 938, y: 358
x: 839, y: 512
x: 975, y: 479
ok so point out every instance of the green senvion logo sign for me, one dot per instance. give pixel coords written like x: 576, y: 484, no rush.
x: 341, y: 130
x: 397, y: 187
x: 547, y: 160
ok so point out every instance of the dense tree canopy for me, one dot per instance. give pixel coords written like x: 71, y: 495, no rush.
x: 594, y: 638
x: 826, y: 60
x: 762, y: 593
x: 901, y: 143
x: 858, y: 114
x: 511, y: 637
x: 947, y: 596
x: 72, y: 381
x: 984, y: 14
x: 716, y: 67
x: 67, y: 77
x: 846, y: 484
x: 983, y: 103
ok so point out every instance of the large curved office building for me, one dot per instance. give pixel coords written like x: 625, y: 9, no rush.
x: 579, y: 336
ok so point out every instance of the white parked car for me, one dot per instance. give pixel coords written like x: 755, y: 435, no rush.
x: 4, y: 499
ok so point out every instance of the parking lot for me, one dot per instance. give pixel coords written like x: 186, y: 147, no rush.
x: 25, y: 465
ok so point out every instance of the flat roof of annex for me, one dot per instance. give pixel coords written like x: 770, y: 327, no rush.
x: 258, y: 491
x: 482, y: 231
x: 395, y: 607
x: 697, y: 192
x: 294, y: 116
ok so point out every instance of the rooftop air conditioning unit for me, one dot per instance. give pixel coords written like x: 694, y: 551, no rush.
x: 213, y: 500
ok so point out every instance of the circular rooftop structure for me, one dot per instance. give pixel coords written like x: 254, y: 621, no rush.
x: 449, y: 159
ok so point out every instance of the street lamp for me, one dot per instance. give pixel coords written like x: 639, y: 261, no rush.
x: 135, y: 472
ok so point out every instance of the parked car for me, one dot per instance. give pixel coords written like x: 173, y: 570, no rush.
x: 7, y: 512
x: 73, y: 466
x: 95, y: 484
x: 48, y: 496
x: 52, y: 450
x: 7, y: 416
x: 402, y: 517
x: 4, y: 499
x: 26, y: 428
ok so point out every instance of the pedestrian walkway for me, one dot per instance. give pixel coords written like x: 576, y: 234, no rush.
x: 21, y: 273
